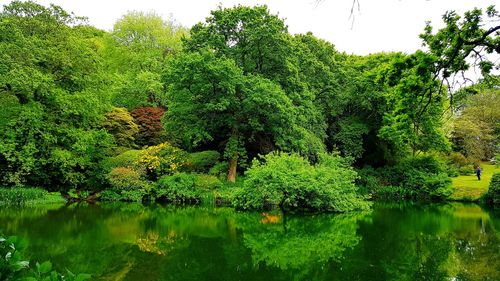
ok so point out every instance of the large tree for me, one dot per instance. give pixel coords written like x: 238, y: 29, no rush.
x: 210, y: 99
x: 135, y: 54
x: 51, y: 76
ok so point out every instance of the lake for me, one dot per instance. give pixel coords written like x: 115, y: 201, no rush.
x: 450, y: 241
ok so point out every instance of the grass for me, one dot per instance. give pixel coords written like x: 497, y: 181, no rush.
x: 468, y: 188
x: 28, y: 196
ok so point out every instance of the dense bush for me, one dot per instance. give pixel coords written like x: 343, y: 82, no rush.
x: 121, y: 125
x: 421, y: 177
x: 177, y: 188
x: 207, y: 182
x: 14, y: 266
x: 123, y: 178
x: 290, y: 182
x: 126, y: 185
x: 129, y: 159
x: 493, y: 195
x: 219, y: 170
x: 162, y: 159
x: 202, y: 162
x: 22, y: 196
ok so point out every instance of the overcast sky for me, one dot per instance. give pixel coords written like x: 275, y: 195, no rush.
x: 380, y: 25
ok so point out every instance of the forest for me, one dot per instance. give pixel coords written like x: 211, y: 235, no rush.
x: 237, y: 112
x: 239, y: 108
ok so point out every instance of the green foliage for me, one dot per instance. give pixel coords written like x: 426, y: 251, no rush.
x: 184, y: 188
x: 420, y: 177
x: 290, y: 182
x: 13, y: 265
x: 28, y: 196
x: 203, y: 161
x: 135, y: 195
x: 128, y: 159
x: 51, y: 136
x: 462, y: 38
x: 493, y: 195
x: 416, y: 102
x: 179, y: 188
x: 207, y: 182
x: 476, y: 130
x: 136, y: 52
x: 121, y: 125
x: 219, y: 170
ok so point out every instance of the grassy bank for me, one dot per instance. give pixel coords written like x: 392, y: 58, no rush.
x: 468, y: 188
x: 28, y: 196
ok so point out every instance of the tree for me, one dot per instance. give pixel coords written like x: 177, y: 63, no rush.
x: 121, y: 125
x: 52, y: 76
x: 210, y: 99
x: 259, y: 44
x: 462, y: 43
x: 412, y: 120
x: 476, y: 129
x: 137, y: 50
x: 150, y: 127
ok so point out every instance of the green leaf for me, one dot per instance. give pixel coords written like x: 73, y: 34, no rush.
x: 45, y: 267
x: 83, y: 277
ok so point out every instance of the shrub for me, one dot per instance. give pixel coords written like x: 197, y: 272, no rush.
x: 162, y: 159
x: 219, y: 170
x: 493, y: 195
x: 466, y: 170
x: 457, y: 159
x: 150, y: 127
x: 201, y: 162
x: 129, y: 159
x: 290, y: 182
x: 368, y: 180
x: 422, y: 177
x: 126, y: 185
x: 123, y: 178
x: 121, y: 125
x: 207, y: 182
x: 178, y: 188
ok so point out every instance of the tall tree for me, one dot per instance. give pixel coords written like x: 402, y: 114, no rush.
x: 210, y: 99
x: 51, y: 75
x: 136, y: 51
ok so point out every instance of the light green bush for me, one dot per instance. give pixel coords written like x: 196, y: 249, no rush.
x: 290, y: 182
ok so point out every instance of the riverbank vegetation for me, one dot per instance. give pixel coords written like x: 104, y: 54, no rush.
x: 13, y: 265
x: 156, y: 111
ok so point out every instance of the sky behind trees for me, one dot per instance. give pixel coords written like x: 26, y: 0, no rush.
x: 381, y: 25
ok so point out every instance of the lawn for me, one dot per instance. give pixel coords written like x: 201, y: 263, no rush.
x: 468, y: 188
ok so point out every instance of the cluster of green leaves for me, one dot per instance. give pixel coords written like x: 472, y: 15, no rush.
x: 493, y: 195
x: 13, y: 265
x: 476, y: 130
x: 184, y: 188
x: 290, y: 182
x: 50, y: 76
x: 422, y: 177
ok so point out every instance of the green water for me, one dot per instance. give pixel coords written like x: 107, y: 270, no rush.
x: 134, y: 242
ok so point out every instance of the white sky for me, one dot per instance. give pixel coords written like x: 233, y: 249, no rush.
x: 381, y: 25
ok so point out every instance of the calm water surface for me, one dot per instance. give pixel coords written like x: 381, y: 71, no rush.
x: 135, y: 242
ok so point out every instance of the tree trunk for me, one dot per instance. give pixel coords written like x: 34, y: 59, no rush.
x: 231, y: 173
